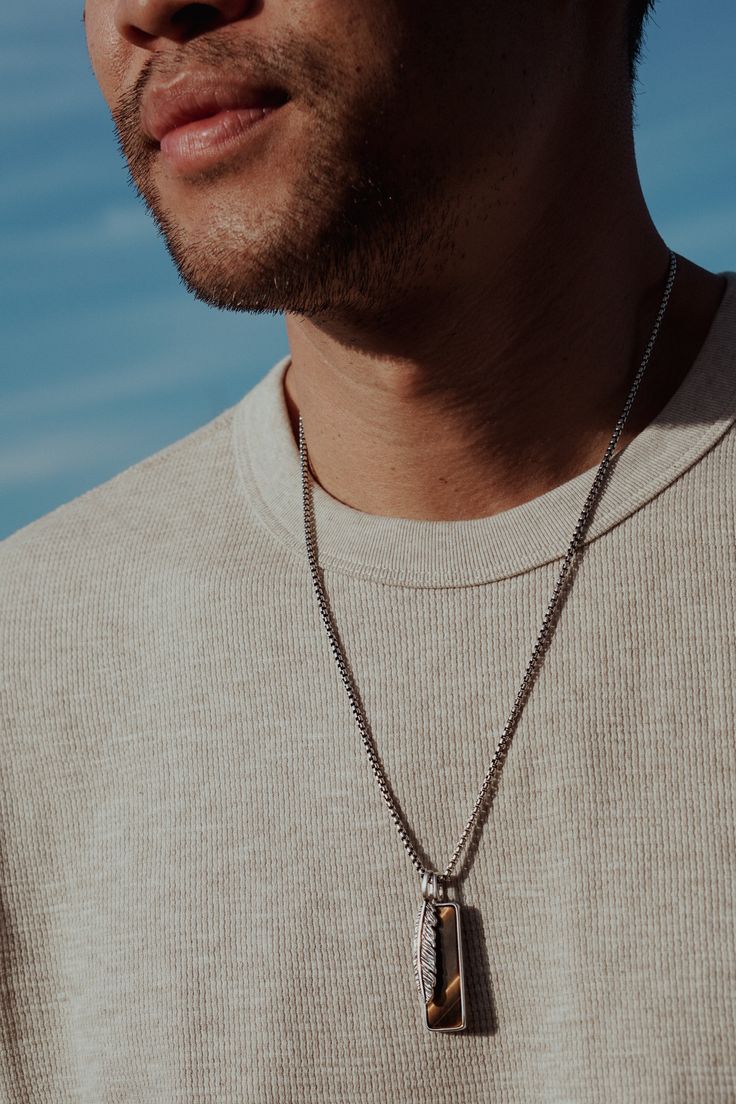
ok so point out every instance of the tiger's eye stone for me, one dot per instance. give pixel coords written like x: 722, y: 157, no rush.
x: 446, y: 1009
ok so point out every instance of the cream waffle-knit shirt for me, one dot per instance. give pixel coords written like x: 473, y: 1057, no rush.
x: 202, y: 896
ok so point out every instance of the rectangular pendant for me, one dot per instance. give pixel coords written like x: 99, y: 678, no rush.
x: 445, y: 1006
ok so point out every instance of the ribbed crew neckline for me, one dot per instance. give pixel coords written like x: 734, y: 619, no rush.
x: 410, y: 552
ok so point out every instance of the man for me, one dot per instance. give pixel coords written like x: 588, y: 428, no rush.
x: 205, y: 893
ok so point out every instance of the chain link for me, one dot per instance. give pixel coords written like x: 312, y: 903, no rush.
x: 538, y: 650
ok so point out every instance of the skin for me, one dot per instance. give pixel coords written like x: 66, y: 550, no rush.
x: 449, y: 215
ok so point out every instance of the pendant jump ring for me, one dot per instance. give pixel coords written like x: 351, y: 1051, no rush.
x: 432, y: 889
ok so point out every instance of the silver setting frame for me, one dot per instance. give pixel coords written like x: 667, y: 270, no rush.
x: 461, y: 970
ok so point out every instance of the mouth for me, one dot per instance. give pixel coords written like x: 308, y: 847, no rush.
x: 197, y: 124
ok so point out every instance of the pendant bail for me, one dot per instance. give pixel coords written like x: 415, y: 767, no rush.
x: 432, y: 886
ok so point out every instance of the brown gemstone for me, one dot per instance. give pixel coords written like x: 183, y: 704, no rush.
x: 446, y: 1009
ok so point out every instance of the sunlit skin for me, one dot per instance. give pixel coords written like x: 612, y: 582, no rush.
x: 447, y: 211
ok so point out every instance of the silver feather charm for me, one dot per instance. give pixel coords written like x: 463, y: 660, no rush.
x: 425, y: 950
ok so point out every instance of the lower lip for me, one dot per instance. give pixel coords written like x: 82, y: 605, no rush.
x: 206, y: 142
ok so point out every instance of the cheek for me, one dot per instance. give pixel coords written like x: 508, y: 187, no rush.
x: 109, y: 54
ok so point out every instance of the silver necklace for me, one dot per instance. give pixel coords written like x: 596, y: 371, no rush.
x: 437, y: 943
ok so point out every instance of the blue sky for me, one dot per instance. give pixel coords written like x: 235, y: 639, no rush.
x: 105, y: 358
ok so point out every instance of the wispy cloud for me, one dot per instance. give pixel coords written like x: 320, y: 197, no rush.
x: 28, y: 183
x: 48, y: 105
x: 120, y: 225
x: 185, y: 362
x: 45, y: 71
x: 63, y: 452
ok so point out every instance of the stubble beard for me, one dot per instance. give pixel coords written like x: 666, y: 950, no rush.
x: 361, y: 224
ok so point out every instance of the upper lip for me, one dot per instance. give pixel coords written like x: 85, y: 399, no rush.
x: 196, y: 96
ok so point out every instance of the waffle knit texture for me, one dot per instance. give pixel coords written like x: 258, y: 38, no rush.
x: 202, y: 895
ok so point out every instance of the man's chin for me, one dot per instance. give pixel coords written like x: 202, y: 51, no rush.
x: 302, y: 241
x: 229, y: 251
x: 237, y: 272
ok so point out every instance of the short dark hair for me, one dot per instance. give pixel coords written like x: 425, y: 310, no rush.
x: 637, y: 14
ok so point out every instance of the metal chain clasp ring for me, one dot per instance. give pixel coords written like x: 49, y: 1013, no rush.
x: 432, y: 886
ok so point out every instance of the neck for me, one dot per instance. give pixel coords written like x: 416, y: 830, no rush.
x: 508, y: 378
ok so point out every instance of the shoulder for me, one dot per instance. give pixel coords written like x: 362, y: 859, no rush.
x: 100, y: 595
x: 130, y: 496
x: 76, y: 570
